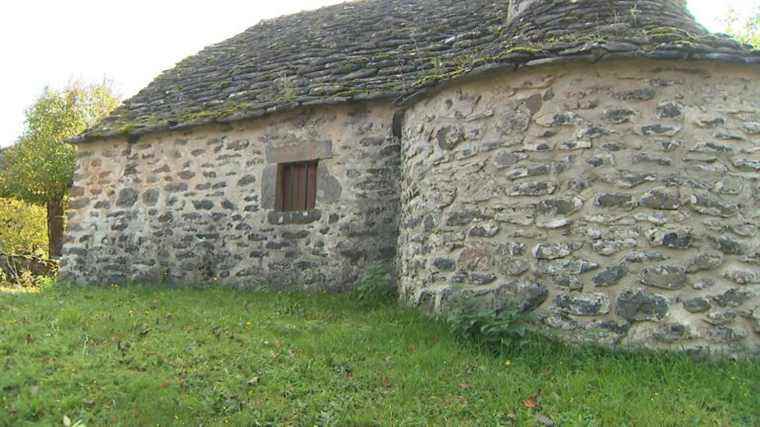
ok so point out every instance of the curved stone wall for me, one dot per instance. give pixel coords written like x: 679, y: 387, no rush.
x: 617, y: 201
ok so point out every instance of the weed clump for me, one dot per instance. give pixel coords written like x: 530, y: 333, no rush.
x: 492, y: 327
x: 375, y: 288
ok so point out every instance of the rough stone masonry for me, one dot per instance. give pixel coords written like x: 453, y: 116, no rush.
x: 595, y: 164
x: 199, y: 206
x: 619, y: 203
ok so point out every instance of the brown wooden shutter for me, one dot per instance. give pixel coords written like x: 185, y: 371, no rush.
x: 301, y: 186
x: 296, y: 186
x: 292, y: 188
x: 311, y: 186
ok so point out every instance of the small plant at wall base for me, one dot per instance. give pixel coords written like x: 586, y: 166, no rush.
x: 39, y: 169
x: 375, y: 287
x: 489, y: 326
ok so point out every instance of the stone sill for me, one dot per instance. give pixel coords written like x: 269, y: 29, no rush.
x: 295, y: 217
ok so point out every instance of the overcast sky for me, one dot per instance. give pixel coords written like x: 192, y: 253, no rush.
x: 48, y: 43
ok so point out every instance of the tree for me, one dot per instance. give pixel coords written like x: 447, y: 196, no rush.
x: 39, y: 168
x: 22, y: 228
x: 744, y: 29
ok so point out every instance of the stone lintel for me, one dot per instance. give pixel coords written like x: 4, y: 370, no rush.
x: 317, y: 150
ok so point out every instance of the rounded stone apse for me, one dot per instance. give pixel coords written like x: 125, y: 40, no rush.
x: 615, y: 202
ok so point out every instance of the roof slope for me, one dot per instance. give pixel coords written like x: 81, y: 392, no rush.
x: 374, y: 49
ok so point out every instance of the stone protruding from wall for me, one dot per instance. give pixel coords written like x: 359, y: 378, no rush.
x: 617, y: 202
x: 199, y: 206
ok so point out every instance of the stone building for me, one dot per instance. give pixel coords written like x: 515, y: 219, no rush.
x: 594, y: 162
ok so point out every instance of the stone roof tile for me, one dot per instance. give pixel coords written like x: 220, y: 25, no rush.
x: 399, y: 49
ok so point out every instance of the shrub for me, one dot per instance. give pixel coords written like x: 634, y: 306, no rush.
x: 23, y: 279
x: 27, y: 280
x: 25, y: 271
x: 375, y: 287
x: 489, y: 326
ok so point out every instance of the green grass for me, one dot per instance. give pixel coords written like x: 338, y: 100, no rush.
x: 141, y: 356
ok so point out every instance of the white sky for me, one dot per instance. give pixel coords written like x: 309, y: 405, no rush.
x: 48, y: 43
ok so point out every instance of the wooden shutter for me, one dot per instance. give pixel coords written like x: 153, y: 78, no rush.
x: 296, y: 186
x: 292, y: 188
x: 311, y: 186
x: 303, y: 180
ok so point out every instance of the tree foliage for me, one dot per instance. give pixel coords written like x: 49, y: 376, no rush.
x: 744, y: 29
x: 40, y: 167
x: 22, y: 228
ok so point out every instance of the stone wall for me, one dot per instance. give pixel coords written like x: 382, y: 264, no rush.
x: 199, y: 206
x: 618, y: 202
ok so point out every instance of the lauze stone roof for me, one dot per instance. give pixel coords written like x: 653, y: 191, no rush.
x: 396, y: 49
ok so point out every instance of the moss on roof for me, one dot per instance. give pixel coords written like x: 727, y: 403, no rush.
x: 396, y: 49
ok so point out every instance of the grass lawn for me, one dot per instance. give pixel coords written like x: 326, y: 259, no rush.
x: 141, y: 356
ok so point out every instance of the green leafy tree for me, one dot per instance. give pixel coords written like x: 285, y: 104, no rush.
x: 744, y: 29
x: 39, y: 168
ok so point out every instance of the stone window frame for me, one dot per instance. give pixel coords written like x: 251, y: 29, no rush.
x: 285, y: 157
